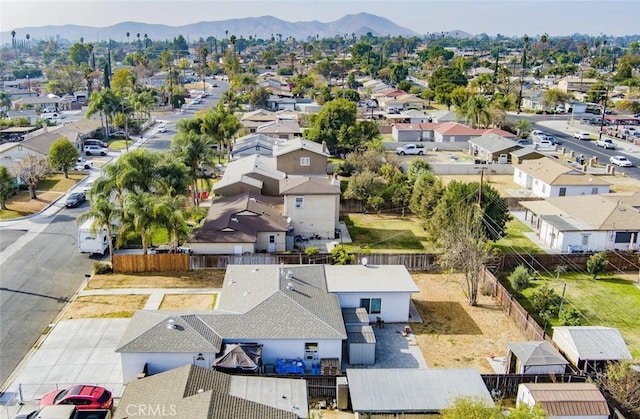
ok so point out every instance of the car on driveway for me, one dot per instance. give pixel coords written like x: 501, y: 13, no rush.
x: 621, y: 161
x: 82, y: 396
x: 82, y: 164
x: 91, y: 150
x: 75, y: 199
x: 582, y: 135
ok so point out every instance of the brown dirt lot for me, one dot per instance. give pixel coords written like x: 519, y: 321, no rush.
x: 193, y: 279
x: 104, y: 306
x: 24, y: 205
x: 193, y: 302
x: 454, y: 334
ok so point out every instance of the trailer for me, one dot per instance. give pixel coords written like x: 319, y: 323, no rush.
x: 92, y: 242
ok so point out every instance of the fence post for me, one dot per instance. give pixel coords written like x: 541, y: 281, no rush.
x: 20, y: 394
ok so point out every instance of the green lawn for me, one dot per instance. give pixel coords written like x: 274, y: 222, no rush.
x: 386, y: 234
x: 515, y: 241
x: 58, y: 183
x: 119, y: 144
x: 612, y: 301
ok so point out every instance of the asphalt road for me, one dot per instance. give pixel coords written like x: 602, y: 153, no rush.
x: 37, y: 281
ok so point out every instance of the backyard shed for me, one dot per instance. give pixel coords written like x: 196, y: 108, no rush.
x: 565, y: 400
x: 539, y: 357
x: 361, y: 342
x: 412, y: 392
x: 590, y: 347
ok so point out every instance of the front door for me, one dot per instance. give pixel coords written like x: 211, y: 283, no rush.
x: 271, y: 248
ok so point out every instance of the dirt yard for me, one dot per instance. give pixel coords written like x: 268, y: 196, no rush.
x: 104, y: 306
x: 211, y: 278
x: 454, y: 334
x: 192, y: 302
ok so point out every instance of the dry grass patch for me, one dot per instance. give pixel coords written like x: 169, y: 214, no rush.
x: 23, y: 204
x: 193, y: 279
x: 104, y: 306
x: 188, y: 302
x: 454, y: 334
x: 498, y: 182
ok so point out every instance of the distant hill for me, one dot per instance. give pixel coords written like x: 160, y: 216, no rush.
x: 262, y: 27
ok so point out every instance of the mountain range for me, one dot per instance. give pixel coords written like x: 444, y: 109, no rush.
x: 263, y: 27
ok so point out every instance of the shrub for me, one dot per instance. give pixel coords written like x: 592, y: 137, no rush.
x: 545, y: 300
x: 519, y: 278
x: 102, y: 268
x: 570, y: 317
x: 311, y: 251
x: 596, y: 264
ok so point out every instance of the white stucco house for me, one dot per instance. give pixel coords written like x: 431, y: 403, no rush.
x: 293, y: 311
x: 547, y: 177
x: 587, y: 222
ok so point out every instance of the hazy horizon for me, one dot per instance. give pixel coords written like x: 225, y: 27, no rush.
x: 507, y: 17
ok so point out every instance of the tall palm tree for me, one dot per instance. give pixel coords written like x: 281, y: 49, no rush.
x: 169, y: 213
x: 128, y: 34
x: 193, y: 149
x: 524, y: 65
x: 139, y: 217
x: 13, y: 41
x: 233, y: 43
x: 28, y: 43
x: 146, y: 40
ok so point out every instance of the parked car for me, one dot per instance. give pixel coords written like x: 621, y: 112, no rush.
x: 582, y: 135
x: 82, y: 164
x: 75, y: 199
x: 82, y: 396
x: 90, y: 150
x: 606, y: 143
x: 621, y: 161
x: 162, y: 128
x: 525, y: 143
x: 411, y: 149
x: 553, y: 140
x: 93, y: 141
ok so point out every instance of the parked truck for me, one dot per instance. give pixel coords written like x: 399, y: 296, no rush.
x: 65, y: 411
x: 409, y: 149
x: 92, y: 242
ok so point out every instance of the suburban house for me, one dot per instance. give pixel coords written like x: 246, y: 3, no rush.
x: 277, y: 102
x: 565, y: 400
x: 196, y: 392
x: 252, y: 120
x: 534, y: 357
x: 244, y: 223
x: 442, y: 132
x: 256, y: 173
x: 575, y: 84
x: 587, y: 223
x: 413, y: 132
x: 312, y: 205
x: 547, y: 177
x: 445, y: 115
x: 282, y: 128
x: 293, y: 311
x: 302, y: 157
x: 407, y: 393
x: 76, y: 132
x: 254, y: 144
x: 489, y: 147
x: 397, y: 100
x: 11, y: 154
x: 29, y: 114
x: 589, y: 348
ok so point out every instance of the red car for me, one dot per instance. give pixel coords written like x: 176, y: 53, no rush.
x: 82, y: 396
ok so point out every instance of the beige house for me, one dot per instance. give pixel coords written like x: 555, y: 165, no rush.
x: 280, y: 128
x: 252, y: 120
x: 312, y: 204
x: 302, y: 157
x: 575, y: 84
x: 547, y: 177
x: 254, y: 173
x: 13, y: 153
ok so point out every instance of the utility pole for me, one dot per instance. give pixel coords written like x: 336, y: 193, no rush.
x: 482, y: 169
x: 604, y: 111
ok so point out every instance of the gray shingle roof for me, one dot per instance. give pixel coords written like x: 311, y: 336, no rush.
x: 493, y: 143
x: 192, y: 392
x: 299, y: 185
x: 593, y: 343
x: 300, y: 144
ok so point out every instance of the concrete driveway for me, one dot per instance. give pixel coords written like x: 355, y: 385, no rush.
x: 74, y: 351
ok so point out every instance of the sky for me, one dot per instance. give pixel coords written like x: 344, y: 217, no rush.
x: 506, y: 17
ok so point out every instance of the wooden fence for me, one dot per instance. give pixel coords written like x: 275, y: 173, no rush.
x: 506, y: 385
x: 162, y: 262
x: 413, y: 261
x: 525, y: 322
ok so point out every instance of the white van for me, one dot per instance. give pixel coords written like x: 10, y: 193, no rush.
x: 92, y: 243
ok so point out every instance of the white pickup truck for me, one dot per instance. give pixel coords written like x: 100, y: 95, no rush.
x: 410, y: 149
x: 606, y: 143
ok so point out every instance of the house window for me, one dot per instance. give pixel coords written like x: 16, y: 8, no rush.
x: 299, y: 202
x: 544, y: 188
x: 594, y: 191
x: 311, y: 350
x: 624, y: 237
x: 373, y: 305
x: 585, y: 239
x: 305, y: 161
x: 563, y: 192
x: 272, y: 239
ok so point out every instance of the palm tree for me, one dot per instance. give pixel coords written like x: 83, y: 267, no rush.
x: 146, y: 40
x: 128, y: 34
x: 13, y: 41
x: 139, y: 217
x: 169, y: 213
x: 105, y: 214
x: 524, y: 65
x: 193, y: 149
x: 233, y: 43
x: 476, y: 109
x: 28, y: 43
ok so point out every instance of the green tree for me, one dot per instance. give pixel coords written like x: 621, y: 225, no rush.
x: 63, y: 155
x: 446, y: 75
x: 545, y: 300
x: 470, y: 408
x: 139, y: 216
x: 426, y: 193
x: 78, y: 53
x: 365, y: 186
x: 7, y: 186
x: 169, y: 213
x: 519, y: 278
x: 622, y: 381
x: 194, y: 150
x: 552, y: 97
x: 328, y: 123
x: 399, y: 72
x: 523, y: 127
x: 596, y: 264
x: 342, y: 257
